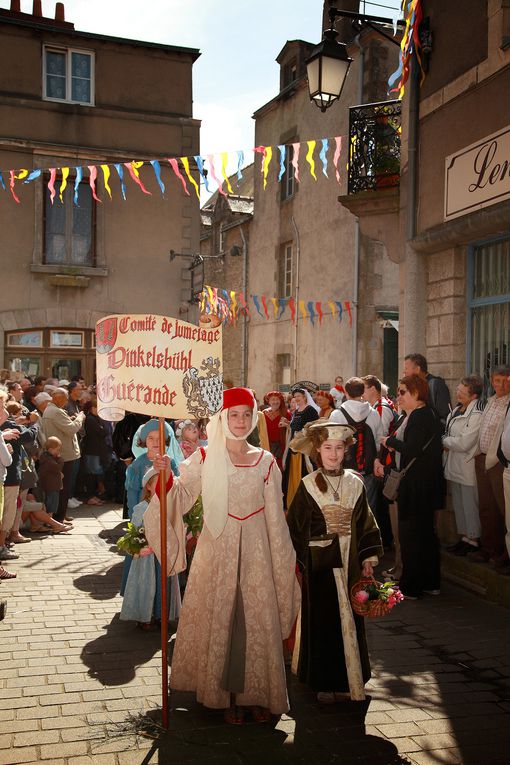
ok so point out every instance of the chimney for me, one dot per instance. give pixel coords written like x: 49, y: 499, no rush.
x: 60, y: 14
x: 37, y: 8
x: 15, y: 6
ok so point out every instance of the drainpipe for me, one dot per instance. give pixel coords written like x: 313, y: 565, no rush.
x: 412, y: 152
x: 244, y: 334
x: 296, y: 297
x: 357, y: 248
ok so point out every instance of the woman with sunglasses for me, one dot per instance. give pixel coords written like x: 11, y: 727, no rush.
x: 418, y: 441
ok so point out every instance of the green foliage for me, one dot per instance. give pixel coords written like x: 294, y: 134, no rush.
x: 133, y: 540
x: 194, y: 519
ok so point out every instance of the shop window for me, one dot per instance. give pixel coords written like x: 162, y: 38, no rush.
x: 488, y: 307
x: 69, y: 229
x: 68, y: 75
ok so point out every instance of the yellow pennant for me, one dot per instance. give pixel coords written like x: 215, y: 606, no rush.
x: 65, y: 176
x: 302, y: 309
x: 224, y: 163
x: 268, y: 155
x: 106, y: 176
x: 21, y: 174
x: 185, y: 164
x: 233, y: 298
x: 276, y: 306
x: 333, y: 307
x: 310, y: 159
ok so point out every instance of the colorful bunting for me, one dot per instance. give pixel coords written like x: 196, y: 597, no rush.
x: 410, y: 43
x: 264, y: 305
x: 134, y: 166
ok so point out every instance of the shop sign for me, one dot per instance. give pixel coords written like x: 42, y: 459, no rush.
x: 478, y: 176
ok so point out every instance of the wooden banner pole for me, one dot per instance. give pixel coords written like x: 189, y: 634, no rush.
x: 164, y: 580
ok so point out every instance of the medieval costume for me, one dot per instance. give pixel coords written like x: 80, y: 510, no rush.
x: 297, y: 465
x: 242, y: 595
x: 276, y: 434
x: 334, y: 534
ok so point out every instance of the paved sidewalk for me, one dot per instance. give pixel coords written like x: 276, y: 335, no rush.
x: 73, y: 678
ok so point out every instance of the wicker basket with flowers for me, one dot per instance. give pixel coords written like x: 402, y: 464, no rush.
x: 372, y: 598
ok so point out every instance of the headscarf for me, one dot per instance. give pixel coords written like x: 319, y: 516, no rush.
x: 217, y: 465
x: 173, y: 449
x: 309, y: 399
x: 282, y: 411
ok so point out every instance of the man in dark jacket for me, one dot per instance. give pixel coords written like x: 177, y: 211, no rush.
x: 27, y: 437
x: 439, y: 395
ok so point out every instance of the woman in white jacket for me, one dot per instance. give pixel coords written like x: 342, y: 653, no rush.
x: 460, y: 445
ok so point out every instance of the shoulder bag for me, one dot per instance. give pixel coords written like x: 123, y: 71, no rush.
x: 394, y: 477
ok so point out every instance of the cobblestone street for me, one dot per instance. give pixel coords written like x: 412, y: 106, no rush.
x: 74, y: 679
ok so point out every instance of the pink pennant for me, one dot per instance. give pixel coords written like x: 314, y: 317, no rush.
x: 295, y: 159
x: 347, y: 306
x: 336, y: 157
x: 11, y: 184
x: 210, y: 159
x: 92, y: 181
x: 243, y: 302
x: 175, y: 167
x: 135, y: 175
x: 51, y: 183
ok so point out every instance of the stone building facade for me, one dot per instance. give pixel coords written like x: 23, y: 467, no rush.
x: 306, y: 246
x: 225, y: 248
x: 76, y: 99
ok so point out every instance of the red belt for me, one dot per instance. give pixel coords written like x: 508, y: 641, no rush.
x: 247, y: 516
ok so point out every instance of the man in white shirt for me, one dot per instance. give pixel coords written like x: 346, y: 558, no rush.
x: 358, y: 413
x: 489, y: 474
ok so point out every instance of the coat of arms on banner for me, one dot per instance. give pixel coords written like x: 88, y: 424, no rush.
x: 204, y: 393
x: 106, y: 334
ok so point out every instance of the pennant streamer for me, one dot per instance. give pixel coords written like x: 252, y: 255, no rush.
x: 410, y: 43
x: 135, y: 175
x: 311, y: 311
x: 185, y: 164
x: 310, y: 159
x: 77, y: 181
x: 174, y: 164
x: 295, y: 160
x: 276, y: 306
x: 340, y: 310
x: 92, y: 181
x: 157, y: 172
x: 51, y: 185
x: 106, y: 178
x: 268, y: 154
x: 292, y: 306
x: 348, y: 309
x: 283, y: 152
x: 318, y: 308
x: 323, y: 156
x: 257, y: 305
x: 224, y: 163
x: 65, y: 176
x: 201, y: 170
x: 31, y: 176
x: 264, y: 305
x: 12, y: 181
x: 336, y: 157
x: 120, y: 173
x: 2, y: 183
x: 240, y: 163
x: 210, y: 159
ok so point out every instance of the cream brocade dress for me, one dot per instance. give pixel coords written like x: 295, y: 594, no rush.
x: 242, y: 595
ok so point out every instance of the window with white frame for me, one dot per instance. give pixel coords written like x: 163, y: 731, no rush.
x: 285, y: 270
x: 68, y: 75
x: 69, y: 230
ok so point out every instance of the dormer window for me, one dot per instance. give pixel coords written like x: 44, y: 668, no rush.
x: 68, y: 75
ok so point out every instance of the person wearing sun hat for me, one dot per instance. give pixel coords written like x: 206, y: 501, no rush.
x: 337, y: 540
x: 242, y: 595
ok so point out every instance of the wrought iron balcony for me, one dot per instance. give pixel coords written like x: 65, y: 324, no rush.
x: 374, y: 146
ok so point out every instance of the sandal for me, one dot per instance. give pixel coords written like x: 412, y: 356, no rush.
x: 4, y: 574
x: 234, y: 715
x: 261, y: 714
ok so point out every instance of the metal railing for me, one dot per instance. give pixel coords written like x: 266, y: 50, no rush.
x: 374, y: 146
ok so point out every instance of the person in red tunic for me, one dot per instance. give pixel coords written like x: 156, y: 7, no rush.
x: 276, y: 431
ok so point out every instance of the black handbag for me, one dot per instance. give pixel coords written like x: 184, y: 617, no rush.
x: 325, y: 553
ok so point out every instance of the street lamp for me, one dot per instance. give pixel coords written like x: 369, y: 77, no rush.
x: 329, y: 62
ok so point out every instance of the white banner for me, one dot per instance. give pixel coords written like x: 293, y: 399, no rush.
x: 159, y: 366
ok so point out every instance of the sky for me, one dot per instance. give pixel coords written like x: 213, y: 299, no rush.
x: 239, y: 41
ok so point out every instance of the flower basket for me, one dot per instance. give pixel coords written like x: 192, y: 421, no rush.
x: 372, y: 598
